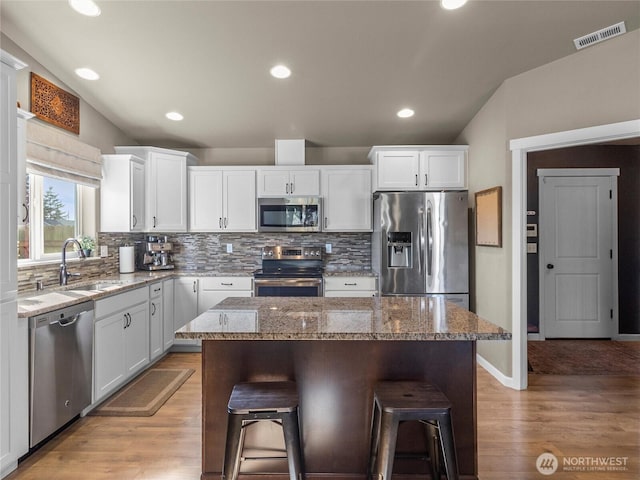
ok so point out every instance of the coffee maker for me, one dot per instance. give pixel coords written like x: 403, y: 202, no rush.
x: 155, y: 253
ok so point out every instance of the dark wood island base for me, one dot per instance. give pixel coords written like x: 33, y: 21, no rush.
x: 335, y: 380
x: 336, y: 349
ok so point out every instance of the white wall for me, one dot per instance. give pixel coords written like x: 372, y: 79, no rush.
x: 95, y: 129
x: 266, y: 156
x: 595, y: 86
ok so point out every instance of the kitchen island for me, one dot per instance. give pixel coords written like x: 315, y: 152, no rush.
x: 336, y: 349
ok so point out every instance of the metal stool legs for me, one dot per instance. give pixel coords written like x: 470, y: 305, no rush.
x: 291, y: 431
x: 253, y: 402
x: 397, y: 402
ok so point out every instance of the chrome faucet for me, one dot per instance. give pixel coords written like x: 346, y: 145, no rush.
x: 64, y: 275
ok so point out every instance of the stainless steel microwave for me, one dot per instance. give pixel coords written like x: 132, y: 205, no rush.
x: 289, y: 214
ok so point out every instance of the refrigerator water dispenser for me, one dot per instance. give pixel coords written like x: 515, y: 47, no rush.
x: 399, y: 246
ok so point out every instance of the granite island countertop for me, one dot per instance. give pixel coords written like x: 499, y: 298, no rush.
x: 340, y: 318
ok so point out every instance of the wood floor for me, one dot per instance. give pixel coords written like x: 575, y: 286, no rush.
x: 570, y: 416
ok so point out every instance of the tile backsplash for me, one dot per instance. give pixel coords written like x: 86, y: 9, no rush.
x: 207, y: 252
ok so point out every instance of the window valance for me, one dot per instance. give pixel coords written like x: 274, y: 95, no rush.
x: 53, y: 153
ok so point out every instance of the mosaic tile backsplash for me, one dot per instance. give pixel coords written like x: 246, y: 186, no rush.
x: 207, y: 253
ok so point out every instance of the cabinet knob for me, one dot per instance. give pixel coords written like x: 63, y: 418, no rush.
x: 550, y: 266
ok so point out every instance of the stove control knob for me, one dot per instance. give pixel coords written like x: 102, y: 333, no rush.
x: 270, y: 253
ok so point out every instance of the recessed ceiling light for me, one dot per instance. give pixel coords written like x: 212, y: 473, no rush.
x: 85, y: 7
x: 452, y: 4
x: 280, y: 71
x: 175, y: 116
x: 405, y: 113
x: 87, y: 73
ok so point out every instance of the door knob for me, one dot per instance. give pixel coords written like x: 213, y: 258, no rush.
x: 549, y: 266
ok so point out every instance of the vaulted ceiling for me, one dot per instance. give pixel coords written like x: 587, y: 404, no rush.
x: 354, y: 63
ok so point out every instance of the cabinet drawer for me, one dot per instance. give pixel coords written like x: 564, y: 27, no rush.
x: 121, y: 301
x: 349, y: 283
x: 155, y: 290
x: 226, y: 283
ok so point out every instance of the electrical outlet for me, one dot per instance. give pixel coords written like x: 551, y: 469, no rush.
x: 327, y: 247
x: 532, y: 248
x: 229, y: 247
x: 104, y: 251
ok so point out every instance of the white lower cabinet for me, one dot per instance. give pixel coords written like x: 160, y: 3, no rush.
x: 350, y: 286
x: 156, y: 320
x: 14, y: 387
x: 185, y: 307
x: 121, y: 343
x: 168, y: 301
x: 215, y: 289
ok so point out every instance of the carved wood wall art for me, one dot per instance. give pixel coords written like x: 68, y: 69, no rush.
x: 54, y: 105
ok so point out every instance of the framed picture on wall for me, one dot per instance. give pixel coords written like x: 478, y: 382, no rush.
x: 489, y: 217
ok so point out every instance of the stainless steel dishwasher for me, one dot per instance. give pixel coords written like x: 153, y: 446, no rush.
x: 60, y: 368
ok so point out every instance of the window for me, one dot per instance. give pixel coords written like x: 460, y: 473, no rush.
x: 54, y: 214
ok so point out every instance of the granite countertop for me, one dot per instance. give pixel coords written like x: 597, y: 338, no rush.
x: 330, y: 318
x: 349, y: 273
x: 34, y: 303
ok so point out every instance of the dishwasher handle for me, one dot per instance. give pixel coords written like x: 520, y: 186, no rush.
x: 67, y: 322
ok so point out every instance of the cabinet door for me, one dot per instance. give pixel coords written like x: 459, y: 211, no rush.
x: 137, y: 195
x: 304, y: 182
x: 137, y: 339
x: 156, y: 330
x: 205, y: 200
x: 273, y: 183
x: 167, y: 197
x: 213, y: 290
x: 8, y: 179
x: 109, y: 354
x: 186, y: 301
x: 443, y: 169
x: 167, y: 313
x: 240, y: 200
x: 347, y: 200
x: 239, y: 321
x: 397, y: 170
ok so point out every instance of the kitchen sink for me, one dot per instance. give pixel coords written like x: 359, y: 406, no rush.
x: 103, y: 285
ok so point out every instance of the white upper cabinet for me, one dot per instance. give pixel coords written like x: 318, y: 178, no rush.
x: 122, y: 194
x: 397, y: 170
x: 419, y: 167
x: 222, y: 199
x: 443, y: 169
x: 282, y: 182
x: 166, y: 187
x: 346, y: 193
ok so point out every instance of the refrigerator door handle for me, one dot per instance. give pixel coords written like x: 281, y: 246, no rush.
x: 429, y: 240
x: 420, y: 238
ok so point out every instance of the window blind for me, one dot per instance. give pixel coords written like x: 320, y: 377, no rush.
x: 53, y: 153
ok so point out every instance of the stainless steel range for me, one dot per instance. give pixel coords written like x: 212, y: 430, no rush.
x: 290, y: 272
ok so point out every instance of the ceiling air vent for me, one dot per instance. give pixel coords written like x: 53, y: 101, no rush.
x: 600, y: 36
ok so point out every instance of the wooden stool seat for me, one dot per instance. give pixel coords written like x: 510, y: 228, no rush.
x: 254, y: 401
x: 402, y: 401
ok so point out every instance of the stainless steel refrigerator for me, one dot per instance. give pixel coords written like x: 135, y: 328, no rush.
x: 420, y: 244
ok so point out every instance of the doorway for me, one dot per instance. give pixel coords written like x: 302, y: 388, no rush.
x: 519, y: 150
x: 578, y: 252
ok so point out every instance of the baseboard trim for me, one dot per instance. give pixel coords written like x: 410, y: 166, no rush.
x: 627, y: 337
x: 495, y: 373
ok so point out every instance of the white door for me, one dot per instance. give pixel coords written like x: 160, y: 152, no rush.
x: 347, y: 200
x: 205, y: 200
x: 576, y: 258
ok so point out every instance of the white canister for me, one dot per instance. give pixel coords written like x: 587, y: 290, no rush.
x: 127, y: 259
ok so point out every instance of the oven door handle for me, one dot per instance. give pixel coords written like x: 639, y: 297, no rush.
x: 301, y: 282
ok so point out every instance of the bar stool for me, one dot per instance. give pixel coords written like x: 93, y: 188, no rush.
x: 396, y: 402
x: 255, y: 401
